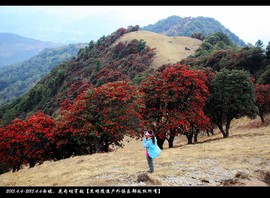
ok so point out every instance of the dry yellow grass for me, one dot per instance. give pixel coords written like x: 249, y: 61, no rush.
x: 168, y: 49
x: 207, y: 163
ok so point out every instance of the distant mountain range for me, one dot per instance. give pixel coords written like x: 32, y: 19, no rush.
x: 15, y: 48
x: 34, y: 23
x: 186, y: 26
x: 49, y: 27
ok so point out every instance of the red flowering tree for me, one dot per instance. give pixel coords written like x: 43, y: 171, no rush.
x: 263, y: 99
x: 100, y: 117
x: 27, y: 142
x: 12, y: 147
x: 40, y: 137
x: 174, y: 99
x: 3, y: 151
x: 106, y: 75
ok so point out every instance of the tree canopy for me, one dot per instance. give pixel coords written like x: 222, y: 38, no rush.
x: 174, y: 100
x: 232, y: 96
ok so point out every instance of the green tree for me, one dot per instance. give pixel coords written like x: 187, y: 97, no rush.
x: 267, y: 51
x: 232, y: 95
x: 213, y: 42
x: 198, y: 35
x: 259, y: 44
x: 264, y: 78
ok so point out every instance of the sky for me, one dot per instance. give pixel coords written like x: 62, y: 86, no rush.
x: 249, y: 23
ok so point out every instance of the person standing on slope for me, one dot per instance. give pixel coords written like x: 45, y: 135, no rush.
x: 152, y: 149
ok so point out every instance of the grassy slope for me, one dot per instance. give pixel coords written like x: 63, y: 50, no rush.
x: 210, y: 162
x: 169, y: 49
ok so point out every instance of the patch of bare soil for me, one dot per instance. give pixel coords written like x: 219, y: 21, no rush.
x: 257, y: 178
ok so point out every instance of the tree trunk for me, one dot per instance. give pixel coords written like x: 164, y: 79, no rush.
x: 262, y: 118
x: 160, y: 142
x: 32, y: 163
x: 189, y: 137
x: 222, y: 130
x: 227, y: 128
x: 196, y: 136
x: 16, y: 167
x: 225, y: 134
x: 212, y: 131
x: 106, y: 146
x: 91, y: 149
x: 170, y: 140
x: 97, y: 146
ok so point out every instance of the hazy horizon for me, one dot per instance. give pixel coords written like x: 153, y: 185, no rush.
x: 72, y: 24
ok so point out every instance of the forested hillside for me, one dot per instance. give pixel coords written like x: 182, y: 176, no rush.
x: 111, y: 91
x: 218, y: 52
x: 17, y: 79
x: 107, y: 60
x: 15, y: 48
x: 96, y: 64
x: 188, y: 26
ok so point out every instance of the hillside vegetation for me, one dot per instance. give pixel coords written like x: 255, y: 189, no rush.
x: 17, y: 79
x: 187, y: 26
x: 243, y: 159
x: 101, y: 62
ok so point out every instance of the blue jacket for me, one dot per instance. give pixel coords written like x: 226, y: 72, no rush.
x: 153, y: 149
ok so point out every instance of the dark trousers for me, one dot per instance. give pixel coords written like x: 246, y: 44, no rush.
x: 150, y: 164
